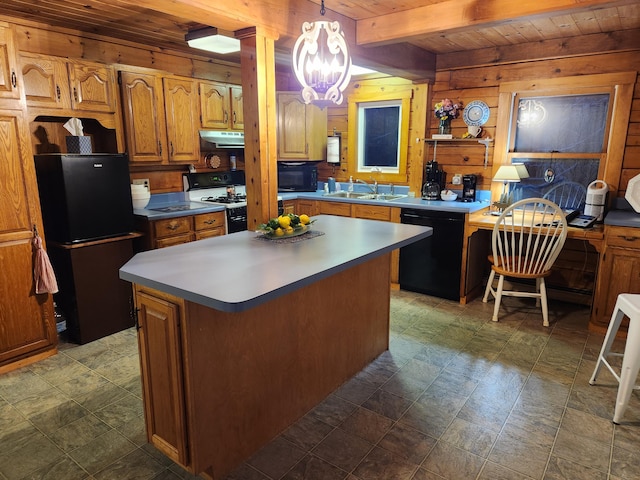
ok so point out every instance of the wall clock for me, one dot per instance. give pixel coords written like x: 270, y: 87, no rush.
x: 476, y: 113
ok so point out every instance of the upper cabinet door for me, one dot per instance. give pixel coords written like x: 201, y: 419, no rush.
x: 143, y: 109
x: 292, y: 127
x: 8, y: 65
x: 181, y: 107
x: 46, y: 83
x: 237, y: 108
x: 214, y: 105
x: 92, y: 87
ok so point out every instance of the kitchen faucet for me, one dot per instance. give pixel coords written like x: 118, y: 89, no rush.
x: 373, y: 189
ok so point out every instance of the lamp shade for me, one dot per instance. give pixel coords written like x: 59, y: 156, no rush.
x: 522, y: 170
x: 507, y: 173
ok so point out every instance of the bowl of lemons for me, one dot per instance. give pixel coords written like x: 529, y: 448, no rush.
x: 286, y: 225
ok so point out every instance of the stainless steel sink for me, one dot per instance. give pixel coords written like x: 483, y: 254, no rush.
x: 387, y: 196
x: 348, y: 195
x: 364, y: 196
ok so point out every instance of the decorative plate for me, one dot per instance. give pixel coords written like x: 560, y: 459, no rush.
x: 476, y: 113
x: 632, y: 195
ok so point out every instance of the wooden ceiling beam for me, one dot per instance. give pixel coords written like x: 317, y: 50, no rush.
x: 460, y: 15
x: 284, y: 21
x: 543, y: 50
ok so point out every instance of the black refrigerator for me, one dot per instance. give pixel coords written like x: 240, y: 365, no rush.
x: 84, y: 197
x: 88, y: 221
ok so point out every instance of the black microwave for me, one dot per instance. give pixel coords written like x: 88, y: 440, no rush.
x: 297, y: 177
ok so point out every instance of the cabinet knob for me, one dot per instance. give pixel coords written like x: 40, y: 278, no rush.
x: 75, y: 94
x: 14, y: 80
x: 210, y: 222
x: 234, y: 117
x: 58, y: 92
x: 171, y: 148
x: 160, y: 146
x: 226, y: 116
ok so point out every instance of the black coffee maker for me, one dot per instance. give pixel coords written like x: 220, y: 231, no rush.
x: 435, y: 181
x: 469, y: 188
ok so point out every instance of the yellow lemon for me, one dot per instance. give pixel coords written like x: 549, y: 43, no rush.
x: 284, y: 221
x: 278, y: 232
x: 304, y: 219
x: 288, y: 230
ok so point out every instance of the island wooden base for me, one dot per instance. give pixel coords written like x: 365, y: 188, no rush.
x: 245, y: 377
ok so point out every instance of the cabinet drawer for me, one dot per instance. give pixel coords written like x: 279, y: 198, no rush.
x: 627, y: 237
x: 372, y: 212
x: 334, y: 208
x: 172, y: 226
x: 175, y: 240
x: 212, y: 232
x: 205, y: 221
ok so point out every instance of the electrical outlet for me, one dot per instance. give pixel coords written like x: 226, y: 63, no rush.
x: 142, y: 181
x: 457, y: 179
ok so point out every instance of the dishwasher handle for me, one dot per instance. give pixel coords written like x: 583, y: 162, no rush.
x: 412, y: 217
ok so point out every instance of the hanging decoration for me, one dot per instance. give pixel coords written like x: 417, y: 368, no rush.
x: 321, y: 61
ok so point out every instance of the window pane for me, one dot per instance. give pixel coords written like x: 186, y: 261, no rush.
x: 381, y: 133
x: 563, y: 181
x: 574, y: 123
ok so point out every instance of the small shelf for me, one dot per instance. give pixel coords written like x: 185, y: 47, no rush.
x: 482, y: 141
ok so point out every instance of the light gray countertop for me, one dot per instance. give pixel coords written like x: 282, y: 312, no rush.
x: 240, y: 271
x: 404, y: 202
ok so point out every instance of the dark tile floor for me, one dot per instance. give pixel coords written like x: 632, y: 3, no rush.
x: 456, y: 397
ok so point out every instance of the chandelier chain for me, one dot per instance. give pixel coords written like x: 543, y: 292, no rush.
x: 322, y: 10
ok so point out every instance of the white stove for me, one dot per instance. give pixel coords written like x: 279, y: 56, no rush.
x: 230, y: 197
x: 223, y: 188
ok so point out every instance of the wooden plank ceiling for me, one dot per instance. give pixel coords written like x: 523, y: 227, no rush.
x: 434, y: 27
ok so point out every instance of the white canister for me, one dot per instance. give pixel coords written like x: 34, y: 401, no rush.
x: 596, y: 199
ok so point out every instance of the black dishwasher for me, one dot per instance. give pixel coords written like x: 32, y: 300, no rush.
x: 432, y: 265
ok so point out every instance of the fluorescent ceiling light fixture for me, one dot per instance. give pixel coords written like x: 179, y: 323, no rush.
x: 358, y: 70
x: 210, y: 40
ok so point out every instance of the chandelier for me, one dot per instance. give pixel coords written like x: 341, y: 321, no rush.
x: 321, y: 61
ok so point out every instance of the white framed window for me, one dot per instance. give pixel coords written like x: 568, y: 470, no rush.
x: 379, y: 136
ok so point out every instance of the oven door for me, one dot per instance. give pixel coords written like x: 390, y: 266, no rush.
x: 236, y: 219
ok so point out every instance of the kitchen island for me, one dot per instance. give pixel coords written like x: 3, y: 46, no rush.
x: 240, y: 335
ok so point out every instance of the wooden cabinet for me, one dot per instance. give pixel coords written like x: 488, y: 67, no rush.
x: 302, y: 129
x: 159, y: 341
x: 221, y: 106
x: 181, y: 103
x: 289, y: 206
x: 307, y: 206
x: 28, y: 325
x: 159, y: 118
x: 177, y: 230
x: 9, y: 79
x: 172, y: 231
x: 209, y: 225
x: 618, y: 272
x: 372, y: 212
x: 53, y: 82
x: 334, y: 208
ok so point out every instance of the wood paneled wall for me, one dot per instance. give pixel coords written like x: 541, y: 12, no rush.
x: 482, y: 83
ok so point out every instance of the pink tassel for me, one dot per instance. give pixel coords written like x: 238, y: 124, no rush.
x: 43, y: 274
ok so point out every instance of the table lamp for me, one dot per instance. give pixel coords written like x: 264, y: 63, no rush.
x: 508, y: 174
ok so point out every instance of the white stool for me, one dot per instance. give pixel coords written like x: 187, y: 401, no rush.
x: 629, y: 305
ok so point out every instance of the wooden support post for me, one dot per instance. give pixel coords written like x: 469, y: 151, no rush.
x: 257, y: 64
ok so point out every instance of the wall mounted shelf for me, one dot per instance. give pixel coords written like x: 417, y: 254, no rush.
x: 483, y: 141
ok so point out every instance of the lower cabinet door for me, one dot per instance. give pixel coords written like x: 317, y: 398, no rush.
x: 162, y: 378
